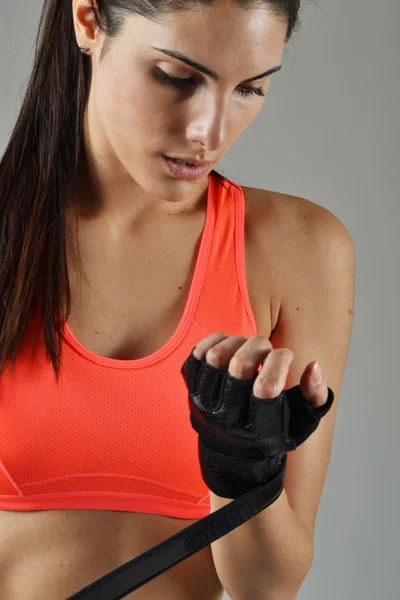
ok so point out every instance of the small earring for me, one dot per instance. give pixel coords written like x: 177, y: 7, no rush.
x: 84, y: 49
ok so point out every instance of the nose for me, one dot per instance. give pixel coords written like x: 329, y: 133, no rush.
x: 208, y: 124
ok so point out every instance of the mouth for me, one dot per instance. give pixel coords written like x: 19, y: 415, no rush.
x: 189, y: 162
x: 184, y: 171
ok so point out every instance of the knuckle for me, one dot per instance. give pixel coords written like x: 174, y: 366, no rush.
x: 241, y: 366
x: 214, y: 355
x: 265, y: 341
x: 283, y: 353
x: 215, y: 338
x: 269, y: 385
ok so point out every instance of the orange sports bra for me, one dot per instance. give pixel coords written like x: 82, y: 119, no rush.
x: 116, y: 434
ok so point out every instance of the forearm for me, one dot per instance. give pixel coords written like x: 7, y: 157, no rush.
x: 265, y: 558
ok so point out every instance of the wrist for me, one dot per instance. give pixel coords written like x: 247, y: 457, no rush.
x: 231, y: 476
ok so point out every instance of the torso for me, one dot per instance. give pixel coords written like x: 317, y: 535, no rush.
x: 91, y: 542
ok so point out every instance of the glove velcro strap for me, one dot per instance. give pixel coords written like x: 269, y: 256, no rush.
x: 232, y: 476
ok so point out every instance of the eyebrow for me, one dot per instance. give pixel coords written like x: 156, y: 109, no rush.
x: 206, y: 70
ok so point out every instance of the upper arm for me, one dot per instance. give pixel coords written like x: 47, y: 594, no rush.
x: 316, y: 284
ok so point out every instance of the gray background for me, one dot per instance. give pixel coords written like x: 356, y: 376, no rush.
x: 329, y: 131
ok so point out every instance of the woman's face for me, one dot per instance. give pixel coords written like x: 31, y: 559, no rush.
x: 134, y: 118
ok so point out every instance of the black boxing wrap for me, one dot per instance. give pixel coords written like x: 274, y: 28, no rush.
x: 243, y: 439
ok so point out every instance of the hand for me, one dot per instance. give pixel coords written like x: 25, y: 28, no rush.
x: 245, y: 355
x: 243, y: 440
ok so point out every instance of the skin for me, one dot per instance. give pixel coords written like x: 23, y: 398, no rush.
x: 132, y: 118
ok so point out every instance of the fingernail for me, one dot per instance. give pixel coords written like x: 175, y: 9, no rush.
x: 316, y: 374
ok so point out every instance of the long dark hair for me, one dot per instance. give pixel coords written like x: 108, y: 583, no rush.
x: 39, y: 167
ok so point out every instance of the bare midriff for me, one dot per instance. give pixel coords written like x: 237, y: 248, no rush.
x: 50, y: 555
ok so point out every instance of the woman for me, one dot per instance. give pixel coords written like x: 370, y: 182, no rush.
x: 116, y: 262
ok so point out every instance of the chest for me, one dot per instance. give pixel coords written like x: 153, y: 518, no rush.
x: 128, y: 294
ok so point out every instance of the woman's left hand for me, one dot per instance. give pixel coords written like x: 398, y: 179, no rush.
x: 244, y: 357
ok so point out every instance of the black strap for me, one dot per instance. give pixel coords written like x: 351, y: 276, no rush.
x: 135, y: 573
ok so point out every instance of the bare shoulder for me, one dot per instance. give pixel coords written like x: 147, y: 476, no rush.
x: 294, y: 217
x: 291, y: 229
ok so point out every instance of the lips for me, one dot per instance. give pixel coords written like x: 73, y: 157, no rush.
x: 186, y: 172
x: 189, y: 160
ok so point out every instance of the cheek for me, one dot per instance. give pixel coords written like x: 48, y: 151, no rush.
x: 131, y: 112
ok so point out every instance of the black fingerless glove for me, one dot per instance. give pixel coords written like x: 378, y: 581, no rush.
x: 243, y: 440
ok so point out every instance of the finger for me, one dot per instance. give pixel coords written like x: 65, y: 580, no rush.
x: 242, y: 356
x: 220, y: 349
x: 205, y: 345
x: 272, y: 378
x: 316, y: 394
x: 246, y: 360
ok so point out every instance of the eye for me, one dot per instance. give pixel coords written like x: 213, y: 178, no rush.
x: 180, y: 82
